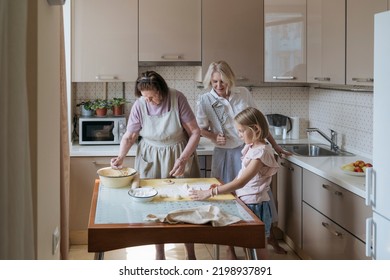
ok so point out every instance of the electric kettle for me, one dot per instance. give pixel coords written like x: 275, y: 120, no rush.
x: 279, y: 125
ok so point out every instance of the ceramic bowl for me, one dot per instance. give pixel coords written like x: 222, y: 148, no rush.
x: 115, y: 178
x: 145, y: 194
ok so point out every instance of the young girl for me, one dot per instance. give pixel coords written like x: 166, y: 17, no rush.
x: 257, y: 168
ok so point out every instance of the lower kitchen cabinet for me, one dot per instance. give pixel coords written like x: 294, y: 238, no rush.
x: 323, y: 239
x: 320, y: 220
x: 82, y: 178
x: 333, y: 220
x: 289, y: 200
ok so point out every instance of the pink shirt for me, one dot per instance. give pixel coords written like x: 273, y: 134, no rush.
x: 135, y: 118
x: 255, y: 191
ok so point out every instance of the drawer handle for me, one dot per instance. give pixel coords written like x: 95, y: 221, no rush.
x: 327, y: 187
x: 334, y: 232
x: 338, y: 193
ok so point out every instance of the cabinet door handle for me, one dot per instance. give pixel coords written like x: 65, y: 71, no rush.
x: 105, y: 78
x: 100, y: 163
x: 283, y: 78
x: 325, y: 79
x: 334, y: 232
x: 171, y: 57
x: 363, y: 80
x: 288, y: 167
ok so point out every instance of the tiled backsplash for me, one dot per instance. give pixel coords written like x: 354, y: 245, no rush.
x: 348, y: 113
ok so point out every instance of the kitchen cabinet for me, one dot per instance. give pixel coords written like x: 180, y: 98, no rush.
x: 205, y: 166
x: 360, y: 40
x: 104, y: 40
x: 227, y: 39
x: 82, y: 177
x: 333, y: 220
x: 289, y: 201
x: 285, y: 40
x: 326, y: 41
x: 170, y: 31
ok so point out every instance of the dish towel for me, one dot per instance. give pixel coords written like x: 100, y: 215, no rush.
x: 198, y: 215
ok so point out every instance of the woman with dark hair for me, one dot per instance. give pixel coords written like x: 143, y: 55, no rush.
x: 169, y: 136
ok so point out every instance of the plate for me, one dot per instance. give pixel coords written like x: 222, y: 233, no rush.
x: 359, y: 174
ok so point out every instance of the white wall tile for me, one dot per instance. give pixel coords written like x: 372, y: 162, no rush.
x: 348, y: 113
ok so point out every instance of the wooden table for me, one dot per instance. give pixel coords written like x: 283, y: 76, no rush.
x: 112, y: 223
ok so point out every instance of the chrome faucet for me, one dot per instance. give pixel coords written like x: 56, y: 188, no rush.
x: 332, y: 140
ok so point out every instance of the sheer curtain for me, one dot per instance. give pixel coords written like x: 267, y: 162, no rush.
x: 16, y: 195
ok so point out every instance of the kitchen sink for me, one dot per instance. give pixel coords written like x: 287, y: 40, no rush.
x: 313, y: 150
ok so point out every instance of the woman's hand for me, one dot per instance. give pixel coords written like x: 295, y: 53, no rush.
x: 281, y: 152
x: 116, y: 163
x: 220, y: 139
x: 179, y: 167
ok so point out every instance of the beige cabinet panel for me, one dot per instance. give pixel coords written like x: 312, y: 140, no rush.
x: 289, y: 200
x: 325, y: 240
x: 285, y: 40
x: 340, y: 205
x: 104, y: 40
x: 236, y: 37
x: 82, y: 179
x: 170, y: 31
x: 326, y: 41
x: 360, y: 40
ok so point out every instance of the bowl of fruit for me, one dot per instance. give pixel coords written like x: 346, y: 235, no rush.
x: 356, y: 168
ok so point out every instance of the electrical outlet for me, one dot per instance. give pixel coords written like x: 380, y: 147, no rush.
x: 55, y: 240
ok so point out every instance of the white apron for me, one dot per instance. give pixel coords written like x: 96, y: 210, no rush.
x: 163, y: 140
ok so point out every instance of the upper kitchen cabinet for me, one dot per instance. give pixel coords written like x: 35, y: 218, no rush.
x: 285, y: 40
x: 326, y: 41
x: 104, y: 40
x: 360, y: 40
x: 170, y: 31
x: 233, y: 31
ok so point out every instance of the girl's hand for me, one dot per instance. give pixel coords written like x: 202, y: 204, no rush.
x: 213, y: 186
x: 199, y: 195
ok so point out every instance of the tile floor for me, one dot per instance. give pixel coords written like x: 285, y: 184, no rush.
x: 173, y: 252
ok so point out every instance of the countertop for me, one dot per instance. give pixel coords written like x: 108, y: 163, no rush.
x: 205, y: 148
x: 329, y: 167
x: 326, y: 167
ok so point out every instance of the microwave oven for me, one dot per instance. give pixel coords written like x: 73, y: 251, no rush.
x: 101, y: 130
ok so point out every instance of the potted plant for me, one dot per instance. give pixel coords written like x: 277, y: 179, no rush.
x: 86, y: 108
x: 118, y: 105
x: 101, y: 106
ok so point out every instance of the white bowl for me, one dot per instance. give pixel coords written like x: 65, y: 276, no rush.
x: 145, y: 194
x: 115, y: 178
